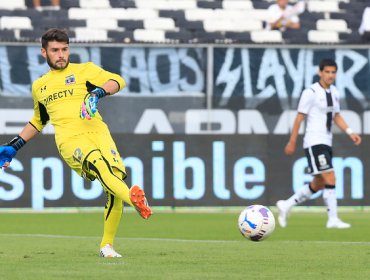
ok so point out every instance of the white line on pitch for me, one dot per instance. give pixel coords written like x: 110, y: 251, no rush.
x: 122, y: 238
x: 182, y: 240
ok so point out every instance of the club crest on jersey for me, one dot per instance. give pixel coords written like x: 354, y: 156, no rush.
x: 70, y: 80
x: 114, y: 153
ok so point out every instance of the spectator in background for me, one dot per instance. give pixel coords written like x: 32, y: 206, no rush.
x: 283, y: 16
x: 55, y: 5
x: 364, y: 29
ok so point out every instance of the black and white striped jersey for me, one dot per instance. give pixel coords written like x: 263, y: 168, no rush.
x: 320, y: 106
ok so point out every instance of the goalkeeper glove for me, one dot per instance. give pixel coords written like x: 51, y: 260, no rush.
x: 8, y: 150
x: 90, y: 104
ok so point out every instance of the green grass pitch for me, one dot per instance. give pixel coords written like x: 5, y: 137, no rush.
x: 182, y: 245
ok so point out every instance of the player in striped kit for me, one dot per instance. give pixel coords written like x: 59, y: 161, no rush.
x: 320, y: 105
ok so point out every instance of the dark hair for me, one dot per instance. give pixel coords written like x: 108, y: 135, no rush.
x: 327, y: 62
x: 54, y: 34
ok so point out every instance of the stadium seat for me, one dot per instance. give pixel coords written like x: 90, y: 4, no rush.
x: 15, y: 23
x: 199, y: 14
x: 144, y: 35
x: 240, y: 15
x: 160, y: 24
x: 267, y: 36
x: 91, y: 34
x: 316, y: 36
x: 171, y: 5
x: 116, y: 13
x: 78, y: 13
x: 106, y: 23
x: 260, y: 14
x: 322, y: 6
x: 137, y: 14
x: 95, y: 4
x: 339, y: 25
x: 158, y: 4
x: 237, y: 4
x: 13, y: 4
x: 211, y: 25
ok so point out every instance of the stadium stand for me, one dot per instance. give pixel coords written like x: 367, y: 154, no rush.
x: 185, y: 21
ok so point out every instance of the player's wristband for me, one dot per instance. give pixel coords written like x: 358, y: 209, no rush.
x: 99, y: 92
x: 349, y: 131
x: 17, y: 143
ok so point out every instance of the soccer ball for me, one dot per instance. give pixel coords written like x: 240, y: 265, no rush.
x: 256, y: 222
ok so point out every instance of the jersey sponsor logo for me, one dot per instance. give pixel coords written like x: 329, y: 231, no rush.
x: 56, y: 95
x: 70, y: 80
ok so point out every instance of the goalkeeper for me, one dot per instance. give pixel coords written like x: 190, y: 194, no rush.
x: 67, y: 97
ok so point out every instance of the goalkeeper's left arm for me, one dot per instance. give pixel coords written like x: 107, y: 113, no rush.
x: 9, y: 150
x: 90, y: 104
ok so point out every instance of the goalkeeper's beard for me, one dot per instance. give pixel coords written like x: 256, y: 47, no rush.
x: 55, y: 66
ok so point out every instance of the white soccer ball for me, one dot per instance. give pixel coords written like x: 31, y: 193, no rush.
x: 256, y: 222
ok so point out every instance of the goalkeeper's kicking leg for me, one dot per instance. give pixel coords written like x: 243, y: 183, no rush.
x: 117, y: 192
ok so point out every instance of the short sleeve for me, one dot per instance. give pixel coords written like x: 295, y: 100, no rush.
x: 273, y: 13
x: 306, y: 101
x: 99, y: 76
x: 294, y: 19
x: 291, y: 14
x: 40, y: 117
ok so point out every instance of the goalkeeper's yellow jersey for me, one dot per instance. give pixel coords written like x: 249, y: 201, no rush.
x: 58, y: 96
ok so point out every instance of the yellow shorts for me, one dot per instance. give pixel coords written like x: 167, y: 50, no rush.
x: 75, y: 149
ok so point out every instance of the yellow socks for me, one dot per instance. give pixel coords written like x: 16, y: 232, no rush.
x: 112, y: 217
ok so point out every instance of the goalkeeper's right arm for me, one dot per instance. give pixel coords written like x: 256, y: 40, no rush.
x: 9, y: 150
